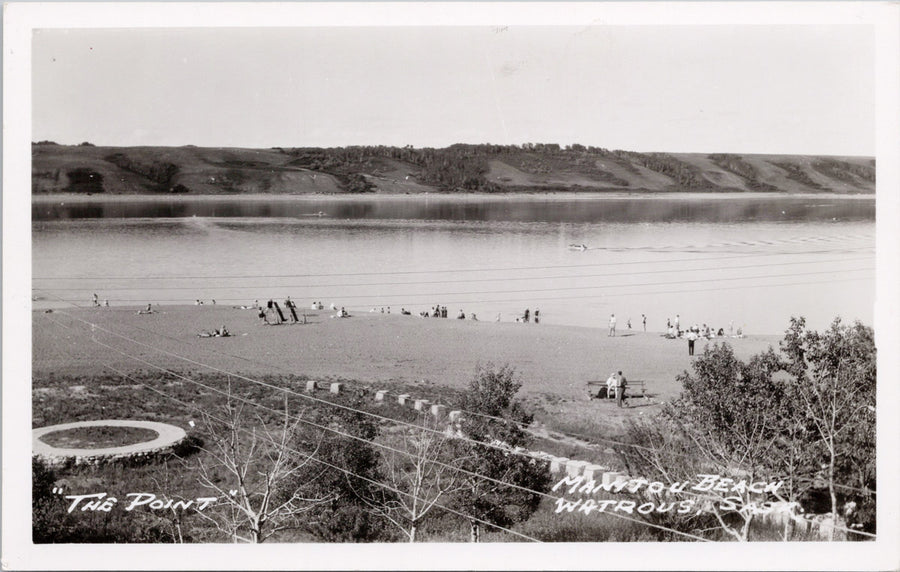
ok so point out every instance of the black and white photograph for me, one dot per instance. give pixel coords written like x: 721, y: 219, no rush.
x: 434, y: 285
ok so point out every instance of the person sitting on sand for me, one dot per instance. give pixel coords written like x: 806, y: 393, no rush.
x: 344, y: 313
x: 222, y: 333
x: 461, y: 315
x: 148, y: 310
x: 405, y: 312
x: 473, y: 317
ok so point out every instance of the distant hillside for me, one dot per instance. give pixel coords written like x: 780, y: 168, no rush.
x: 458, y: 168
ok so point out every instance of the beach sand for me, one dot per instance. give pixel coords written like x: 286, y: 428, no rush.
x: 371, y: 348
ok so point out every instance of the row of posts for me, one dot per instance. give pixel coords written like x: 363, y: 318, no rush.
x: 558, y: 465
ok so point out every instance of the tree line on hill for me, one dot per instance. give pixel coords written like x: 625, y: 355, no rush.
x: 466, y: 167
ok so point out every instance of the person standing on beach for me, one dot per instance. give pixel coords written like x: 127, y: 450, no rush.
x: 677, y: 325
x: 644, y: 321
x: 537, y: 316
x: 289, y: 304
x: 691, y: 338
x: 612, y: 325
x: 621, y: 383
x: 96, y: 300
x: 526, y: 315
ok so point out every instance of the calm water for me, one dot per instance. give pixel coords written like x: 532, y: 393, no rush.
x: 754, y: 262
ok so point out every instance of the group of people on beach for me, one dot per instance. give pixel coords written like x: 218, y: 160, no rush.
x: 95, y: 301
x: 696, y: 332
x: 271, y: 313
x: 613, y: 321
x: 436, y: 311
x: 526, y: 317
x: 615, y: 385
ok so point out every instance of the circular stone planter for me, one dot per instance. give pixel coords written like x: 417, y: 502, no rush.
x: 168, y: 437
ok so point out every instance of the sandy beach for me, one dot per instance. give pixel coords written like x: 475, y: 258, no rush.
x: 367, y: 347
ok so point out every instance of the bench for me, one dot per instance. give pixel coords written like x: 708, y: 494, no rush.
x: 597, y: 389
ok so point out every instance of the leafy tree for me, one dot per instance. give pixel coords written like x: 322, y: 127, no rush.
x: 494, y: 417
x: 728, y: 416
x: 352, y: 487
x: 834, y: 378
x: 772, y: 418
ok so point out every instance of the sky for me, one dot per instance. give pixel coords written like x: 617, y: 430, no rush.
x: 804, y: 89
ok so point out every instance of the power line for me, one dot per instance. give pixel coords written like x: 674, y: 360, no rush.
x: 520, y: 425
x: 499, y: 419
x: 312, y: 457
x: 286, y: 390
x: 463, y: 281
x: 459, y: 469
x: 434, y: 271
x: 367, y: 413
x: 408, y: 454
x: 381, y: 296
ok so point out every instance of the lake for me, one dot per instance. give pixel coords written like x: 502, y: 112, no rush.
x: 750, y: 261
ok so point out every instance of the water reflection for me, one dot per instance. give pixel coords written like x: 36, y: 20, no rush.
x: 588, y: 210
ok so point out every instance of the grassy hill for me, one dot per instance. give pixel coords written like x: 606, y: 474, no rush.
x: 458, y: 168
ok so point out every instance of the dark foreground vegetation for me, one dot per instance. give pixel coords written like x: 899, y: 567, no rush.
x: 297, y: 467
x: 531, y: 167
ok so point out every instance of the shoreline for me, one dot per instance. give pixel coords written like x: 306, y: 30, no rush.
x: 461, y: 197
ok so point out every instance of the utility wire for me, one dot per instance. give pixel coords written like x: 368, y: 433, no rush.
x: 520, y: 425
x: 435, y: 271
x: 344, y: 434
x: 465, y: 281
x: 502, y: 292
x: 312, y: 457
x: 364, y: 412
